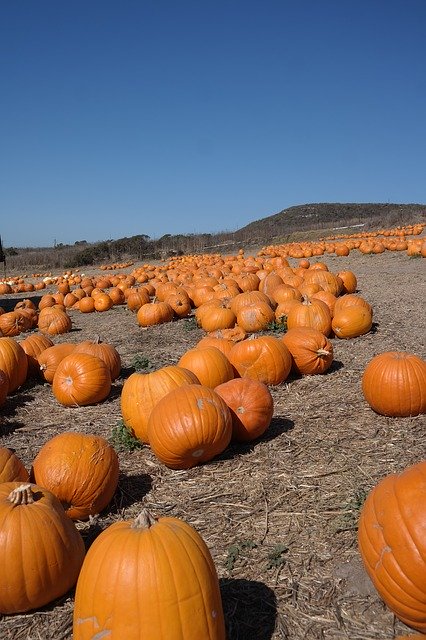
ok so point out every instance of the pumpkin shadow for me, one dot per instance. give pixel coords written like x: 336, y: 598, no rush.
x: 130, y: 489
x: 250, y: 609
x: 277, y: 427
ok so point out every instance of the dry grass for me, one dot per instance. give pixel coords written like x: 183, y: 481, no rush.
x: 279, y: 515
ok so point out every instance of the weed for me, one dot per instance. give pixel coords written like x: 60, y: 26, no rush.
x: 235, y: 551
x: 276, y: 557
x: 190, y: 324
x: 122, y: 440
x: 278, y: 326
x: 348, y: 521
x: 140, y: 362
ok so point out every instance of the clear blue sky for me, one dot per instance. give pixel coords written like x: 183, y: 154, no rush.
x: 157, y: 116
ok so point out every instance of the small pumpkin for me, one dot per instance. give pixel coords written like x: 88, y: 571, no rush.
x: 190, y: 425
x: 41, y: 551
x: 351, y: 322
x: 80, y: 469
x: 392, y: 542
x: 394, y: 384
x: 163, y: 570
x: 81, y: 379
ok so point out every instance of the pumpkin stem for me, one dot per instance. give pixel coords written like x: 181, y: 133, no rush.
x: 323, y: 352
x: 97, y: 340
x: 144, y: 520
x: 22, y: 495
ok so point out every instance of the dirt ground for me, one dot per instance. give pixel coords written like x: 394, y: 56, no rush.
x: 280, y: 514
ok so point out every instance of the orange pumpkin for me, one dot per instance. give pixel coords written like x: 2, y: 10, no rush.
x: 394, y: 384
x: 11, y: 467
x: 190, y: 425
x: 312, y: 313
x: 81, y: 379
x: 311, y: 351
x: 80, y: 469
x: 161, y: 569
x: 14, y: 363
x: 264, y: 358
x: 392, y: 543
x: 103, y: 350
x: 209, y: 364
x: 49, y: 359
x: 351, y: 322
x: 251, y: 405
x: 142, y: 391
x: 33, y: 345
x: 41, y: 551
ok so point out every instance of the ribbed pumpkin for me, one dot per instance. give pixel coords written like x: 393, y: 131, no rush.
x: 394, y: 384
x: 209, y: 364
x: 81, y: 379
x: 190, y: 425
x: 4, y: 386
x: 251, y: 405
x: 263, y: 358
x: 50, y: 358
x: 80, y: 469
x: 312, y: 313
x: 54, y: 321
x: 154, y: 313
x: 13, y: 361
x: 255, y: 317
x: 150, y: 579
x: 12, y: 323
x: 33, y: 345
x: 392, y: 542
x: 41, y: 551
x: 11, y: 467
x: 103, y: 350
x: 142, y: 391
x: 351, y: 322
x: 311, y: 351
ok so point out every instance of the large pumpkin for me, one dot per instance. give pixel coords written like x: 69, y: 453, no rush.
x: 13, y: 361
x: 142, y: 391
x: 394, y: 384
x: 81, y: 379
x: 392, y: 542
x: 49, y: 359
x: 251, y: 405
x: 190, y: 425
x: 103, y: 350
x: 264, y: 358
x: 80, y: 469
x: 150, y: 579
x: 11, y: 467
x: 311, y: 351
x: 41, y: 551
x: 210, y: 365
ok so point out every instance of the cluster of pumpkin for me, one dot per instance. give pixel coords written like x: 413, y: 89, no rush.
x: 80, y: 373
x: 167, y: 563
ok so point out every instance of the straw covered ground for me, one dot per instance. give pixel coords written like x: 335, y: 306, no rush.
x: 279, y: 515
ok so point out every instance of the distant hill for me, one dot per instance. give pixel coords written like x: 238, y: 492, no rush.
x: 302, y: 222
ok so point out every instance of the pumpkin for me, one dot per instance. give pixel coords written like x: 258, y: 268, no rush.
x: 53, y: 321
x: 80, y: 469
x: 12, y: 323
x: 392, y: 542
x: 394, y: 384
x: 13, y: 361
x: 81, y: 379
x: 311, y: 351
x: 50, y: 358
x: 103, y: 350
x: 223, y: 344
x: 33, y: 345
x: 263, y: 358
x: 312, y: 313
x: 255, y: 317
x: 142, y: 391
x: 41, y: 551
x: 4, y: 386
x: 190, y: 425
x: 150, y: 579
x: 349, y: 281
x: 153, y: 313
x: 351, y: 322
x: 210, y: 365
x: 86, y: 304
x: 251, y: 405
x: 11, y: 467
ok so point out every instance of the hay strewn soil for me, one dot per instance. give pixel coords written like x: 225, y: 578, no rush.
x: 279, y: 515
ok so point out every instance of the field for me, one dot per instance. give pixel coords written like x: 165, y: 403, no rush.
x: 279, y: 515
